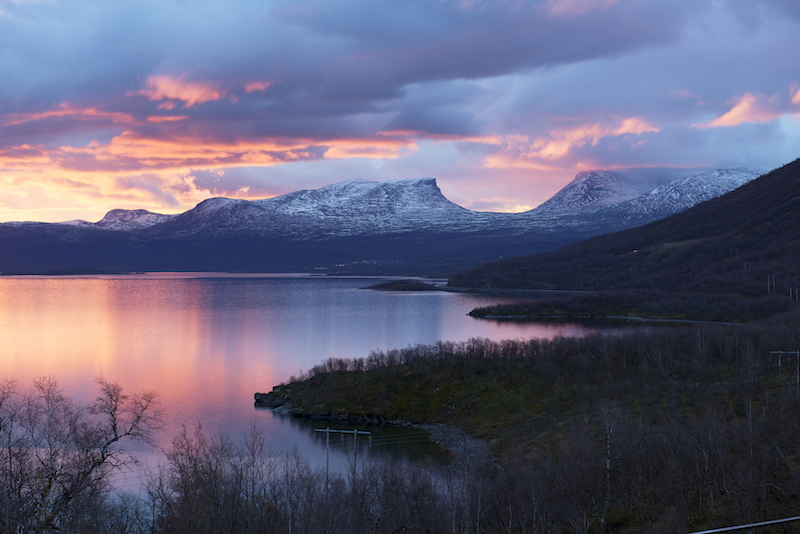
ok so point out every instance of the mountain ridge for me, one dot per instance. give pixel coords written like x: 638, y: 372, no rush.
x: 729, y: 244
x: 599, y: 187
x: 405, y: 222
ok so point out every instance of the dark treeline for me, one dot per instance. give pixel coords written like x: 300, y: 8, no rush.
x: 57, y: 461
x: 649, y: 304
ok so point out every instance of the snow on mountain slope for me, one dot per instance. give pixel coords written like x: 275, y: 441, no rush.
x: 367, y: 199
x: 131, y: 219
x: 596, y: 201
x: 122, y: 220
x: 598, y: 188
x: 354, y: 207
x: 684, y: 193
x: 77, y: 222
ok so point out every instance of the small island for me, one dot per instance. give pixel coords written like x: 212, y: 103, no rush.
x: 403, y: 285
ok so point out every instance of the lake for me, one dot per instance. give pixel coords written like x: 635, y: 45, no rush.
x: 207, y: 342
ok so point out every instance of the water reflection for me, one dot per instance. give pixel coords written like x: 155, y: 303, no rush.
x: 398, y: 444
x: 206, y: 344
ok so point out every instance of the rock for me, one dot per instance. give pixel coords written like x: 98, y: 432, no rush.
x: 269, y: 400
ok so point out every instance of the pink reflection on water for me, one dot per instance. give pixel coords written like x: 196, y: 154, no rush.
x: 206, y: 343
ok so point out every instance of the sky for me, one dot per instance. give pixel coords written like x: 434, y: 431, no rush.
x: 160, y: 104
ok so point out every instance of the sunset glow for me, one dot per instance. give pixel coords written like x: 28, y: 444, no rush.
x: 502, y: 102
x: 748, y: 108
x: 190, y: 93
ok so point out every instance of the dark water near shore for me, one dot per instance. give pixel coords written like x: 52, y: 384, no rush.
x: 207, y: 343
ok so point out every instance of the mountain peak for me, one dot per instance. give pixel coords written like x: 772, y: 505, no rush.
x: 399, y: 182
x: 357, y: 187
x: 645, y: 190
x: 119, y: 219
x: 369, y: 198
x: 683, y: 193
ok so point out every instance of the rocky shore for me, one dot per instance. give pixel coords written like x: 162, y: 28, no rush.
x: 282, y: 405
x: 448, y: 437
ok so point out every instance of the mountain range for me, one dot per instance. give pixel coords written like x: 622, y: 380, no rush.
x: 745, y: 242
x: 395, y: 226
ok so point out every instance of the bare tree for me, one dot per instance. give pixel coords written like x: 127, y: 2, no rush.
x: 56, y: 458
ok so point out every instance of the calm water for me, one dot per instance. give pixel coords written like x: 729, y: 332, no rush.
x: 207, y: 343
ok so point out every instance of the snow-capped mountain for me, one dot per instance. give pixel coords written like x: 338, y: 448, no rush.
x: 131, y: 219
x: 379, y: 198
x: 598, y: 188
x: 120, y: 219
x: 358, y: 207
x: 683, y: 193
x: 350, y: 208
x: 354, y: 221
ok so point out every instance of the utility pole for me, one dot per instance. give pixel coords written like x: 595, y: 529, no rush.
x: 328, y: 432
x: 327, y: 455
x: 779, y: 353
x: 797, y: 366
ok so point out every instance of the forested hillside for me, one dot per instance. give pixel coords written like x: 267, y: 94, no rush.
x: 667, y: 430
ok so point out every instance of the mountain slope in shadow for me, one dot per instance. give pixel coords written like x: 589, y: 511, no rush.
x: 746, y: 242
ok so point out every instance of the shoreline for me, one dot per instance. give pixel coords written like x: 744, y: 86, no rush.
x: 449, y: 438
x: 632, y: 318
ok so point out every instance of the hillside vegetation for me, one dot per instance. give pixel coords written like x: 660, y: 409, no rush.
x: 665, y: 430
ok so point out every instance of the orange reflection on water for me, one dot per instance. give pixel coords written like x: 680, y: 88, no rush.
x: 145, y: 334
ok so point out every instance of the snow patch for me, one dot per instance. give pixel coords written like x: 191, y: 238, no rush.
x: 120, y: 219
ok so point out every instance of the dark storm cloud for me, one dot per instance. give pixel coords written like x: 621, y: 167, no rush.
x: 326, y: 60
x: 399, y: 43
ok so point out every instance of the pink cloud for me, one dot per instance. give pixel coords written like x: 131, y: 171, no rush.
x: 252, y: 87
x: 796, y: 98
x: 634, y: 125
x: 747, y: 108
x: 98, y: 168
x: 165, y: 87
x: 370, y: 149
x: 184, y: 150
x: 23, y: 155
x: 66, y: 110
x: 174, y: 118
x: 551, y: 152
